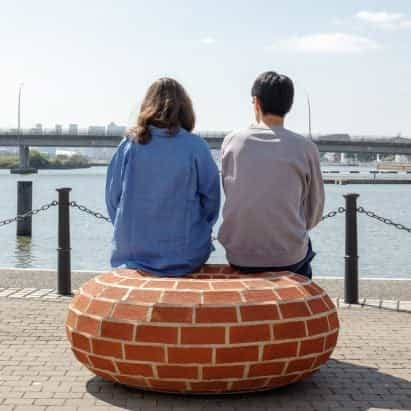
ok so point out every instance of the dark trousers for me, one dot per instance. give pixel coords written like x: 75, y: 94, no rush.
x: 303, y: 267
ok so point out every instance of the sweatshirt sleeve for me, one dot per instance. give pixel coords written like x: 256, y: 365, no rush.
x: 208, y: 184
x: 115, y: 176
x: 314, y: 202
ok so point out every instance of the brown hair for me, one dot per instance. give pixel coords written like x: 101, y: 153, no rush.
x: 166, y: 105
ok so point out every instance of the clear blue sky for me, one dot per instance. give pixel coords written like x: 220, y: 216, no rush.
x: 90, y: 62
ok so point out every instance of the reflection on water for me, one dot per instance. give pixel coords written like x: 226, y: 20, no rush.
x: 23, y: 252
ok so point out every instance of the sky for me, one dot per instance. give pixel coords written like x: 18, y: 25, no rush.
x: 90, y: 62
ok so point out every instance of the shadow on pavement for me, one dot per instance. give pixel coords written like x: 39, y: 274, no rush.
x: 339, y: 385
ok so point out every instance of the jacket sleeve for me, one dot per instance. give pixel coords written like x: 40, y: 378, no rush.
x: 208, y: 184
x: 115, y: 176
x: 314, y: 201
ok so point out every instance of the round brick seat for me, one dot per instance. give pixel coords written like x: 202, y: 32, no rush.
x: 213, y: 332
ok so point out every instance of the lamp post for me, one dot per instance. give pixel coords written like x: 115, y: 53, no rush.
x: 21, y: 148
x: 309, y: 116
x: 24, y: 152
x: 19, y: 108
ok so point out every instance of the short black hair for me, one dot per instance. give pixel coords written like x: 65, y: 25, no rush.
x: 275, y: 93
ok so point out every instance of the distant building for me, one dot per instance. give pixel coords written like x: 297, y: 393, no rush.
x: 59, y: 129
x: 401, y: 158
x: 38, y: 129
x: 331, y: 157
x: 114, y: 130
x: 400, y: 139
x: 97, y: 131
x: 73, y: 129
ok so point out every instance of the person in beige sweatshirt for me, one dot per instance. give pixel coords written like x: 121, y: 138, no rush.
x: 273, y: 187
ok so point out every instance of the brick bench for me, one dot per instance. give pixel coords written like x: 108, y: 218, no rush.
x: 216, y: 331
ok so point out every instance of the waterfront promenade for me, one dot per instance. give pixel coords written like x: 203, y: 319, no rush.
x: 369, y: 370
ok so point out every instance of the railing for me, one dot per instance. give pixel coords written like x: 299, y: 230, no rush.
x: 351, y: 211
x: 118, y: 130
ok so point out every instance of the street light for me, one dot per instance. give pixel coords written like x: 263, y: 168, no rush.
x: 19, y: 108
x: 22, y: 149
x: 309, y: 116
x: 24, y: 152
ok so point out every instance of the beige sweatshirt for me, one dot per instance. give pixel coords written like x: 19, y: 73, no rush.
x: 274, y: 196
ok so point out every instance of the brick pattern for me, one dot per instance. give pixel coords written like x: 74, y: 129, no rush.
x: 217, y: 331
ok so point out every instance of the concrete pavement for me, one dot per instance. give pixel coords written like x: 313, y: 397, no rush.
x: 369, y: 370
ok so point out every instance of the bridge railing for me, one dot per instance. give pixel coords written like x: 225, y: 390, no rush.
x: 120, y: 130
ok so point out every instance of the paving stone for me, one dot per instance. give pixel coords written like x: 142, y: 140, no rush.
x: 370, y: 369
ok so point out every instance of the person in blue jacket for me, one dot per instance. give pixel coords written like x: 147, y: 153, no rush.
x: 163, y: 188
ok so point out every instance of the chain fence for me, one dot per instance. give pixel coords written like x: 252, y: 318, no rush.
x: 340, y: 210
x: 388, y: 221
x: 100, y: 216
x: 86, y: 210
x: 21, y: 217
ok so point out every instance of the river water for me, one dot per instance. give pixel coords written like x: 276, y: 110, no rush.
x: 384, y: 251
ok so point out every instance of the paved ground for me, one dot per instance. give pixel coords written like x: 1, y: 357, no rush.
x: 370, y: 369
x: 46, y: 279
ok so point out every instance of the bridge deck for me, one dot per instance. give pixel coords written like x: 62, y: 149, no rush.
x: 390, y: 146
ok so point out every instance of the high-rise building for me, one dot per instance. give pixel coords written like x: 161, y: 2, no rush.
x: 59, y: 129
x: 73, y: 129
x: 114, y: 130
x: 38, y: 129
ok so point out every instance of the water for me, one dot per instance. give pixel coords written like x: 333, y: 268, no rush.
x: 384, y: 251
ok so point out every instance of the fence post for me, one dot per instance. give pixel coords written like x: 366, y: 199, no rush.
x: 64, y: 250
x: 351, y: 249
x: 24, y: 205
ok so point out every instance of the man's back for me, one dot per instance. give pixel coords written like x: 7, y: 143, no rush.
x: 274, y: 195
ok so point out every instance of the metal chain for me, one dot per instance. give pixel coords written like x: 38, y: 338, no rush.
x: 86, y: 210
x: 28, y: 214
x: 339, y: 210
x: 384, y: 220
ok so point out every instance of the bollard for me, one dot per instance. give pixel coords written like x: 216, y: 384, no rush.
x: 351, y: 249
x: 64, y: 250
x: 24, y: 205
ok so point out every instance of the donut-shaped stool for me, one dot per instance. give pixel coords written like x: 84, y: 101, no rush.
x: 217, y: 331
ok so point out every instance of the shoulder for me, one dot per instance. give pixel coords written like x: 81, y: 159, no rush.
x: 124, y: 147
x: 236, y: 137
x: 194, y: 141
x: 305, y: 143
x: 126, y: 142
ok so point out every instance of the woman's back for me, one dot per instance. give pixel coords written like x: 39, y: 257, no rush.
x: 163, y: 198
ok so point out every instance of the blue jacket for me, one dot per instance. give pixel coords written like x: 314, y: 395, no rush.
x: 163, y: 199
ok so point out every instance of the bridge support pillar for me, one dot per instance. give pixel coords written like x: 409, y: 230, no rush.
x: 24, y: 159
x: 24, y: 153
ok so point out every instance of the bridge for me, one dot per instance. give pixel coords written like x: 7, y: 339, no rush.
x: 332, y: 143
